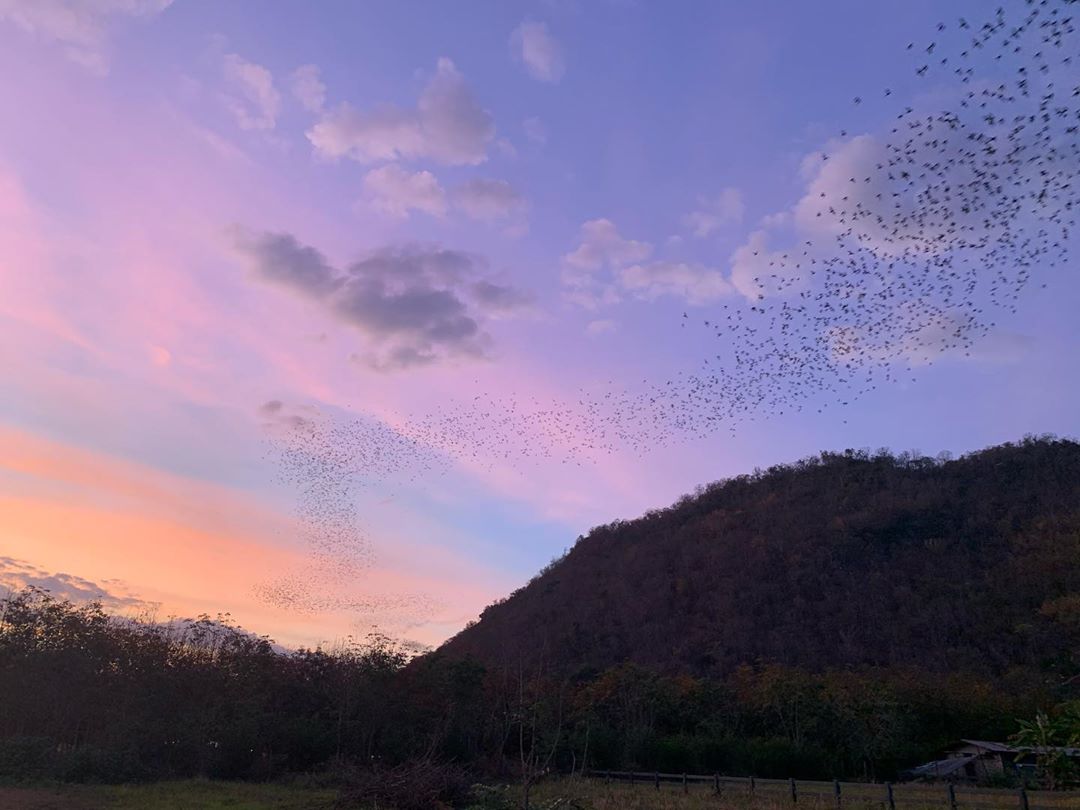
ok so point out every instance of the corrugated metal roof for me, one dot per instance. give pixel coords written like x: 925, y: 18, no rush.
x: 1003, y: 748
x: 941, y: 767
x: 989, y: 745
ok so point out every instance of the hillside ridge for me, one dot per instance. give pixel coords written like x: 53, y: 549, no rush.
x: 842, y: 560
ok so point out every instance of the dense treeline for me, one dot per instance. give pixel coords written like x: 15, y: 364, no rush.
x: 838, y: 561
x: 846, y: 616
x: 88, y: 696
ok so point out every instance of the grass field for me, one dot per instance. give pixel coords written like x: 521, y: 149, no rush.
x: 595, y: 795
x: 185, y: 795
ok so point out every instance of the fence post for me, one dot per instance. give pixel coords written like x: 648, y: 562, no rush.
x: 685, y: 787
x: 952, y: 796
x: 1023, y: 798
x: 656, y: 779
x: 889, y: 796
x: 836, y: 791
x: 795, y: 792
x: 716, y: 784
x: 753, y: 786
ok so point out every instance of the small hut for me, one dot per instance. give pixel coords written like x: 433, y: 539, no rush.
x: 981, y: 761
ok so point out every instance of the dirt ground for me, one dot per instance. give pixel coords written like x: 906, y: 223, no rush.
x: 183, y: 795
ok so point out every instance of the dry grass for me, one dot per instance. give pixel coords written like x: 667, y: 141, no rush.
x: 595, y: 794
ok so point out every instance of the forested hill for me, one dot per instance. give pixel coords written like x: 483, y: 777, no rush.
x: 840, y: 561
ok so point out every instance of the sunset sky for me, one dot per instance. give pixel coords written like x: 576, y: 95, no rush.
x: 207, y: 210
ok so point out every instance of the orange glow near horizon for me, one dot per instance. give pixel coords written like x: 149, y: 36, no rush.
x: 189, y: 546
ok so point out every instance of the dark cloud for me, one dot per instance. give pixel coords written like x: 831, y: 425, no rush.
x: 411, y: 262
x: 416, y: 304
x: 280, y: 259
x: 277, y: 415
x: 18, y: 574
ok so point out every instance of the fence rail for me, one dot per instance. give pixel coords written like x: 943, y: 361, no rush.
x: 886, y: 795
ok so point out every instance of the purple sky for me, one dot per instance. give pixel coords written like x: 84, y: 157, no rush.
x: 303, y: 306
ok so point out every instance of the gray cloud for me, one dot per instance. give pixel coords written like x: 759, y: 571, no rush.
x: 18, y: 574
x: 498, y: 298
x: 280, y: 259
x: 276, y: 414
x: 416, y: 304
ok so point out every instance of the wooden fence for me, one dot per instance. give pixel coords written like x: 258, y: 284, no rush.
x: 840, y: 795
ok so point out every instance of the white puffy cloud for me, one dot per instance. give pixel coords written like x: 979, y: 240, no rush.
x: 601, y: 245
x: 930, y: 335
x: 727, y: 208
x: 251, y: 96
x: 846, y: 194
x: 693, y: 283
x: 606, y: 267
x: 756, y: 270
x: 447, y: 126
x: 416, y: 304
x: 849, y: 191
x: 533, y: 45
x: 396, y: 191
x: 80, y: 26
x: 458, y: 129
x: 843, y: 178
x: 488, y: 200
x: 385, y: 133
x: 307, y: 87
x: 588, y: 272
x: 777, y: 219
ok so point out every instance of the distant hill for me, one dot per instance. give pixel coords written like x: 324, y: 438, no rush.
x: 845, y: 560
